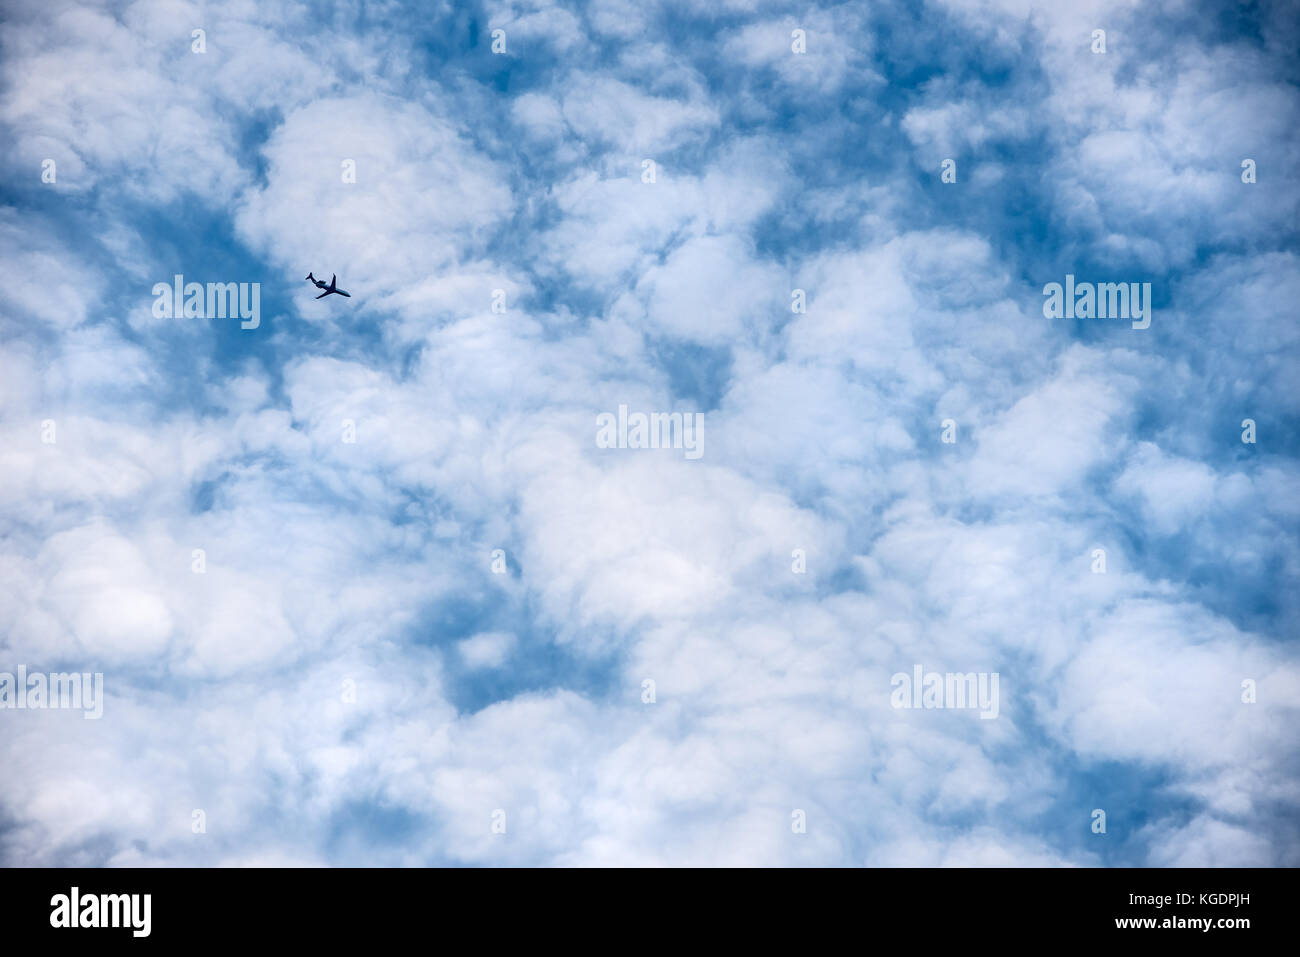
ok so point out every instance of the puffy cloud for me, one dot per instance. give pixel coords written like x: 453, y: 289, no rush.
x: 365, y: 589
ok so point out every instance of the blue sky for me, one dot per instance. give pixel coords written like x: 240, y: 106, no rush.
x: 351, y: 681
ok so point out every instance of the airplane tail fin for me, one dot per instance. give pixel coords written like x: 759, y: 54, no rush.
x: 311, y: 277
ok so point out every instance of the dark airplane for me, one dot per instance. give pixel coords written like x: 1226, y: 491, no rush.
x: 329, y: 288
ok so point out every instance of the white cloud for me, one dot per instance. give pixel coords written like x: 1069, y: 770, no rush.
x: 301, y: 675
x: 488, y: 649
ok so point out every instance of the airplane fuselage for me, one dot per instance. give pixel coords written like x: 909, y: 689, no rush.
x: 330, y: 287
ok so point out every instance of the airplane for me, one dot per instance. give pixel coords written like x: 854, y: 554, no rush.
x: 330, y: 288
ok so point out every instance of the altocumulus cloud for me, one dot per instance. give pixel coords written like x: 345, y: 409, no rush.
x: 360, y: 578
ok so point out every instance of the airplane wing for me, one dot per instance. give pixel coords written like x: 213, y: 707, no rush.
x: 333, y: 280
x: 324, y: 294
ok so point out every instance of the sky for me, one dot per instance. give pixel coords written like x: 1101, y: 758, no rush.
x: 365, y: 588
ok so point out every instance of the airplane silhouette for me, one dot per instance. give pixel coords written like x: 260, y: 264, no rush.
x: 330, y: 288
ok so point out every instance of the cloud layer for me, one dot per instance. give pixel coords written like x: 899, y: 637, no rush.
x: 365, y: 590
